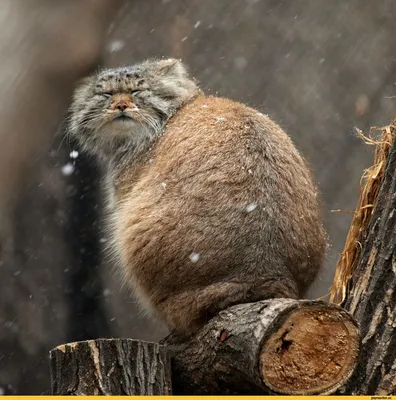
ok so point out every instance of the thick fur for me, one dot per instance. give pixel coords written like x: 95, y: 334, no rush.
x: 156, y: 90
x: 212, y: 204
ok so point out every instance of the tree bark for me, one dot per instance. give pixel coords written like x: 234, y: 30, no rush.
x: 278, y: 346
x: 110, y: 367
x: 372, y: 299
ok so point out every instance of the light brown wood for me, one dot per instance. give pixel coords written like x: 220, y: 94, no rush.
x: 314, y: 351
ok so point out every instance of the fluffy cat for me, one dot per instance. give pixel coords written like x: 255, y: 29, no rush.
x: 211, y: 204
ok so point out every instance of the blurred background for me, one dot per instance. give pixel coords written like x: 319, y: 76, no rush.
x: 318, y: 68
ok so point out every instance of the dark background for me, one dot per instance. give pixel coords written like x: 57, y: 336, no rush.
x: 318, y: 67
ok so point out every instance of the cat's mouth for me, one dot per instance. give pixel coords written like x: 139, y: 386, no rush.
x: 122, y: 117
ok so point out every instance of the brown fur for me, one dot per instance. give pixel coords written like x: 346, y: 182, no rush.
x: 225, y: 182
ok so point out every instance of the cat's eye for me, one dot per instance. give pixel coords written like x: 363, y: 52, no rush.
x: 135, y: 91
x: 107, y: 95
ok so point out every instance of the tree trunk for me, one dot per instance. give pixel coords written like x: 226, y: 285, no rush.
x: 372, y: 299
x: 110, y: 367
x: 279, y: 346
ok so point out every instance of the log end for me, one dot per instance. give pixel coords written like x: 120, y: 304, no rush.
x: 314, y: 351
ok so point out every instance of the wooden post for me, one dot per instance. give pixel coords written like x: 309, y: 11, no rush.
x: 110, y: 367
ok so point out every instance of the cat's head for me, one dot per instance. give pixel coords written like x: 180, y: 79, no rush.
x: 125, y: 108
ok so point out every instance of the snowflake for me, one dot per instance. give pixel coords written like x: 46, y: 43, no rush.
x: 251, y: 207
x: 194, y: 257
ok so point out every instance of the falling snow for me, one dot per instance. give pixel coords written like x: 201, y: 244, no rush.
x: 262, y: 115
x: 197, y: 24
x: 219, y: 119
x: 116, y: 45
x: 240, y: 63
x: 194, y: 257
x: 251, y: 207
x: 68, y: 169
x: 73, y: 154
x: 163, y: 185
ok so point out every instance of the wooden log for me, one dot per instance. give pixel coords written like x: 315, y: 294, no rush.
x: 110, y: 367
x: 372, y: 299
x: 278, y: 346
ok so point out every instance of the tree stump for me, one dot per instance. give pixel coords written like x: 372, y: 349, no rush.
x: 110, y: 367
x: 278, y: 346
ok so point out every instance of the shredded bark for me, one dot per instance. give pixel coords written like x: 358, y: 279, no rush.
x: 382, y: 139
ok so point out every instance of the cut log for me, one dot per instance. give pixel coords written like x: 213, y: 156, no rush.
x: 372, y: 299
x: 278, y: 346
x: 110, y: 367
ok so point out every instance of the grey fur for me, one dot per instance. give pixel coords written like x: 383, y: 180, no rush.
x: 165, y: 87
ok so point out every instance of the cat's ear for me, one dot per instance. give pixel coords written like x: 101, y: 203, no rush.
x: 171, y: 66
x: 82, y: 87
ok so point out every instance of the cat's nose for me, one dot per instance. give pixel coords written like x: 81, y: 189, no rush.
x: 122, y: 105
